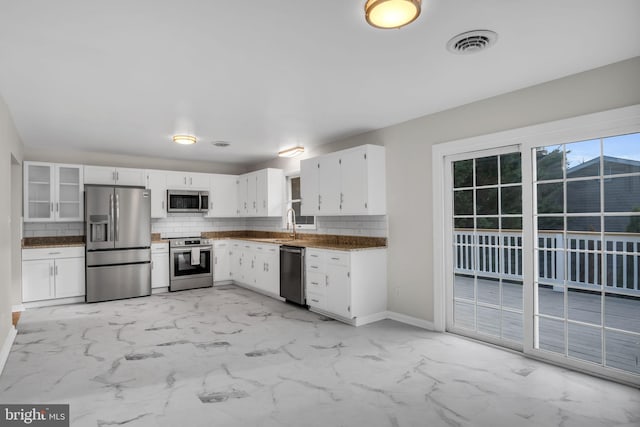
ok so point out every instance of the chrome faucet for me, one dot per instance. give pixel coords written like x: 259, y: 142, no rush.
x: 293, y: 221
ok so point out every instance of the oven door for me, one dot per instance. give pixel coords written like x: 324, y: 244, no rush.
x: 182, y: 266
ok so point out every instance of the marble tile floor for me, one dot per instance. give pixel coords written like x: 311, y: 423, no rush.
x: 231, y: 357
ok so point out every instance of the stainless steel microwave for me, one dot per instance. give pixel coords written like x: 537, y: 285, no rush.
x: 187, y: 201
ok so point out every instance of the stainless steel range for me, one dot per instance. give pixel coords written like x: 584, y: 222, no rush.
x: 191, y: 266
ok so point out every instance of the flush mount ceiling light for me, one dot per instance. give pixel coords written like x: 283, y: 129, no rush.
x: 391, y: 13
x: 184, y: 139
x: 291, y: 152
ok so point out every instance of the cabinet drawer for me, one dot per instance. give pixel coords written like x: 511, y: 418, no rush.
x: 313, y: 266
x: 158, y: 248
x: 316, y: 283
x: 52, y: 253
x: 340, y: 258
x: 314, y: 255
x: 316, y: 300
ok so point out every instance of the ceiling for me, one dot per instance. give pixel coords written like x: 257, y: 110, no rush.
x: 123, y: 76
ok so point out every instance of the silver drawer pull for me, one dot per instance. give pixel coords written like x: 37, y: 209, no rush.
x: 315, y: 300
x: 336, y: 259
x: 315, y: 283
x: 313, y: 266
x: 54, y: 253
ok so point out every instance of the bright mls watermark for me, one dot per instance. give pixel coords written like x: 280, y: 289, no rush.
x: 34, y: 415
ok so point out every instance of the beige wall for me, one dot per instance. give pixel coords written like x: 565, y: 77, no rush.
x: 10, y: 146
x: 16, y: 221
x: 125, y: 161
x: 409, y: 200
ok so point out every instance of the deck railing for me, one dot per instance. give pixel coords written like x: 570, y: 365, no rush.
x: 577, y: 258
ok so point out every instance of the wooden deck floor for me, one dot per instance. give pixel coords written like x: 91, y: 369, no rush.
x: 585, y: 341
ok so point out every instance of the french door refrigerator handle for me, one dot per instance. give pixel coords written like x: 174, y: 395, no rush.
x: 111, y: 217
x: 117, y: 219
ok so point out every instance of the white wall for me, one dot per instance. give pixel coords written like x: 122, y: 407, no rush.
x: 408, y: 148
x: 10, y: 146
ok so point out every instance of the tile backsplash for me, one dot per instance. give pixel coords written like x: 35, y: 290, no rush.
x: 182, y: 225
x: 51, y: 229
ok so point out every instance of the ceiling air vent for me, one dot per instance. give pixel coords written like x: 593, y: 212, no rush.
x: 220, y: 143
x: 472, y: 41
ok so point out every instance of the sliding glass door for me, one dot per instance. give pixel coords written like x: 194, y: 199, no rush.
x: 486, y: 298
x: 543, y: 251
x: 587, y: 218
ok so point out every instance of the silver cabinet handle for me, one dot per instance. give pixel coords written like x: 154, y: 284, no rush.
x: 57, y: 206
x: 264, y: 203
x: 326, y: 280
x: 51, y: 270
x: 56, y: 269
x: 185, y: 180
x: 117, y: 176
x: 336, y: 259
x: 315, y: 283
x: 191, y: 181
x: 315, y: 300
x: 113, y: 176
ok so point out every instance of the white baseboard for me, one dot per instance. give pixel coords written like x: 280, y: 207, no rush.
x: 223, y: 283
x: 19, y: 307
x: 365, y: 320
x: 6, y: 347
x: 52, y: 302
x: 409, y: 320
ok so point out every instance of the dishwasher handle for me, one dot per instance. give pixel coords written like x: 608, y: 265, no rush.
x: 292, y: 249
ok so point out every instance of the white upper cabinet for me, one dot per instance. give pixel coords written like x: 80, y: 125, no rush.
x: 261, y: 193
x: 107, y: 175
x: 193, y: 181
x: 53, y: 192
x: 223, y: 196
x: 347, y: 182
x: 243, y: 195
x: 157, y: 183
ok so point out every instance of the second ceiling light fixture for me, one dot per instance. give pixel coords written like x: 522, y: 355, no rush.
x: 391, y: 13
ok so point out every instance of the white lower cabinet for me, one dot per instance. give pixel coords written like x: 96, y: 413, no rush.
x: 159, y: 265
x: 221, y: 261
x: 52, y: 273
x: 347, y: 285
x: 266, y: 268
x: 255, y: 265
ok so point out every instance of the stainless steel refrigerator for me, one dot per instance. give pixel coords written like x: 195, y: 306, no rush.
x: 118, y: 235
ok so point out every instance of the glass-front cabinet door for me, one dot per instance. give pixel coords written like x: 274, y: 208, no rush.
x: 69, y: 186
x: 53, y: 192
x: 38, y: 191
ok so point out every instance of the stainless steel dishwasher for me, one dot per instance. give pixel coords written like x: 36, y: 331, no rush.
x: 292, y: 274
